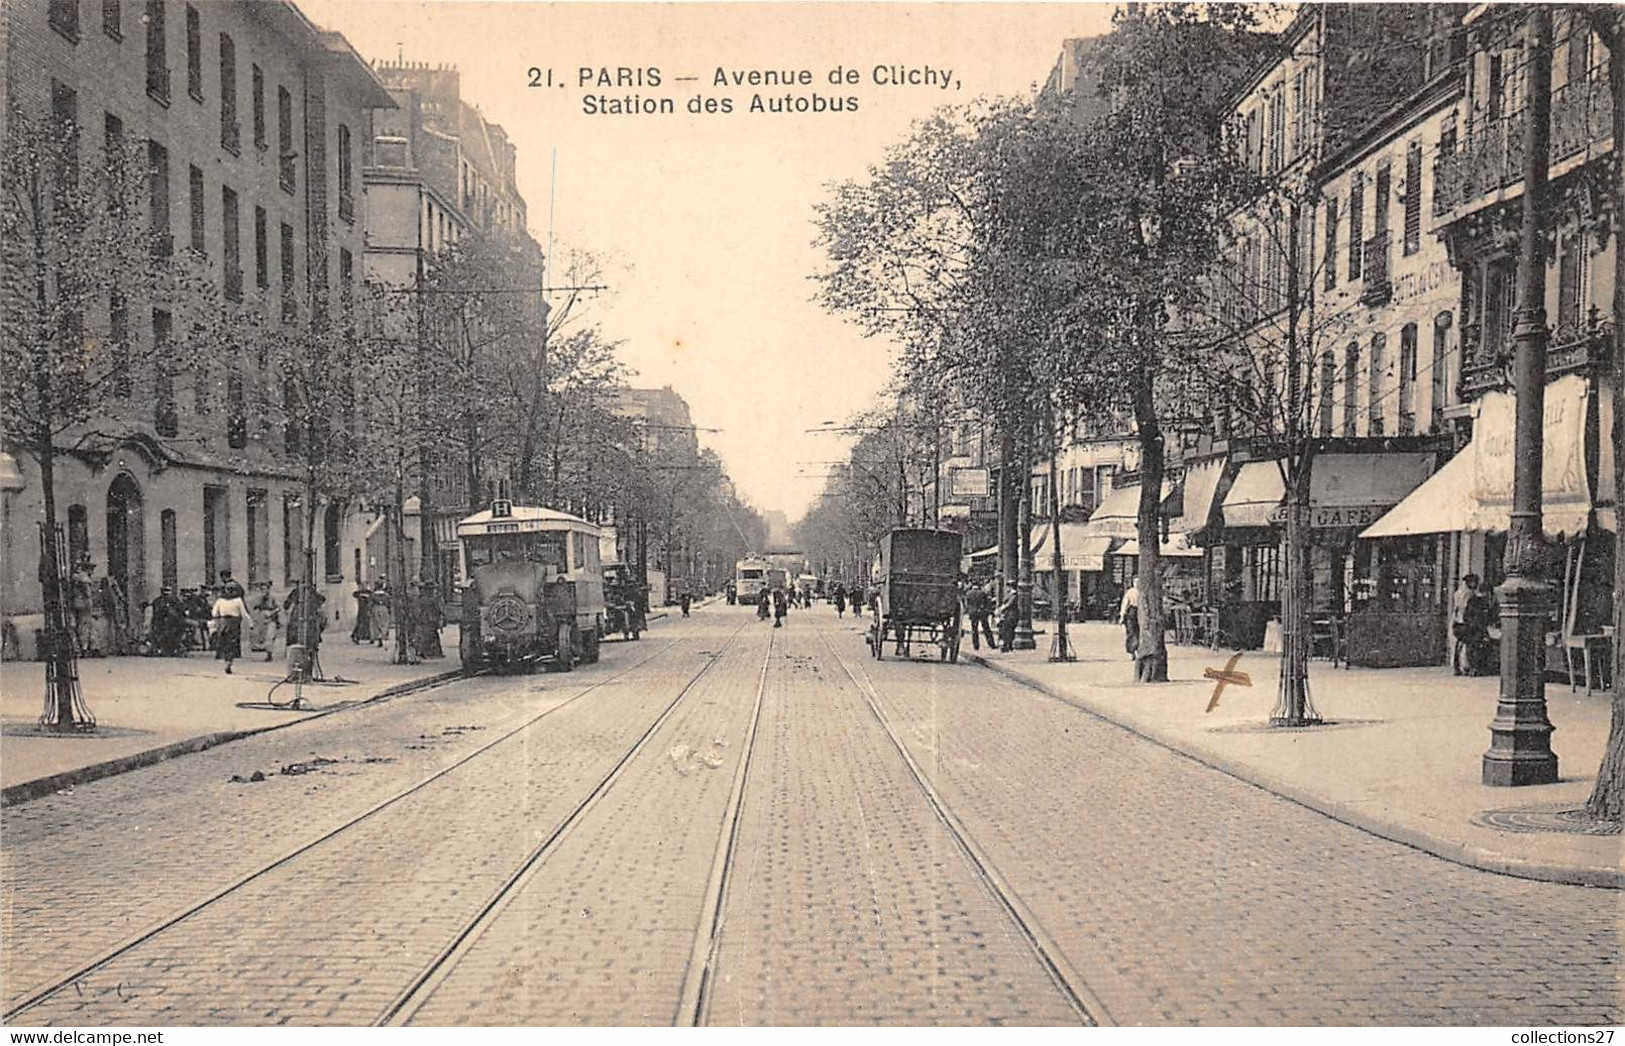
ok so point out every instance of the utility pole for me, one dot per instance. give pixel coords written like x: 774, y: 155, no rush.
x: 1520, y: 751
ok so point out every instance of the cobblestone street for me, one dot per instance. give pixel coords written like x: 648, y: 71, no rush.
x: 729, y: 824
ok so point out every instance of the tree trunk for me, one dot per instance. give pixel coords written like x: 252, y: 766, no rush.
x: 60, y: 714
x: 399, y: 597
x: 1293, y: 707
x: 1608, y: 796
x: 1151, y: 660
x: 1008, y: 523
x: 1024, y: 545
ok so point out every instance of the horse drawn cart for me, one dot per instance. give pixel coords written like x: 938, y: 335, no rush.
x: 917, y: 597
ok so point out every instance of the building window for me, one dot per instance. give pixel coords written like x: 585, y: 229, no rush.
x: 1373, y: 392
x: 78, y: 535
x: 1328, y: 390
x: 118, y: 326
x: 1331, y: 243
x: 287, y: 272
x: 1443, y: 368
x: 232, y: 244
x: 230, y: 129
x: 258, y: 528
x: 194, y: 53
x: 113, y: 19
x: 1379, y: 211
x: 1351, y: 389
x: 199, y: 230
x: 346, y: 176
x: 1413, y: 198
x: 284, y: 137
x: 346, y: 278
x: 262, y: 273
x: 1356, y: 221
x: 158, y: 198
x: 165, y: 418
x: 332, y: 532
x: 64, y: 17
x: 113, y: 151
x: 292, y: 429
x: 157, y: 53
x: 1407, y: 380
x: 169, y: 544
x: 65, y: 131
x: 236, y: 415
x: 258, y: 91
x: 1571, y: 274
x: 293, y: 537
x: 200, y: 385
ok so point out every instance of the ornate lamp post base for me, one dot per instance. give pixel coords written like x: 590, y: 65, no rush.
x: 1024, y: 624
x: 1520, y: 751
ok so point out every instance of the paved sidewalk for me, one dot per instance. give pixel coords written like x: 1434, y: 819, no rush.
x: 1400, y: 756
x: 152, y: 708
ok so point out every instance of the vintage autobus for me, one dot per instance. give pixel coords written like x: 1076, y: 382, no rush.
x: 535, y: 589
x: 750, y: 575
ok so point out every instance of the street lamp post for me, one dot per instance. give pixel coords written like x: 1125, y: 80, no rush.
x: 1520, y: 751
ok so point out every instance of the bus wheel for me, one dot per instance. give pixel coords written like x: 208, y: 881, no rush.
x: 566, y: 655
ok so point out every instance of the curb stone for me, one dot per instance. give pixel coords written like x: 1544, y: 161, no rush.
x: 25, y: 791
x: 1462, y: 853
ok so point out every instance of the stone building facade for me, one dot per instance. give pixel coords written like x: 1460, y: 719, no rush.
x: 253, y: 120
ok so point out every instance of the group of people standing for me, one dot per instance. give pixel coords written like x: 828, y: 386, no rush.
x: 1473, y: 614
x: 419, y: 615
x: 220, y: 617
x: 982, y: 608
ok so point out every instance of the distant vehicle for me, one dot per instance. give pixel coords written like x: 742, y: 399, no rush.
x: 626, y: 601
x: 917, y: 592
x: 750, y: 577
x: 536, y: 588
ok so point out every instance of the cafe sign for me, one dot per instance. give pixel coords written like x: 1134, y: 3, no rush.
x: 1326, y: 517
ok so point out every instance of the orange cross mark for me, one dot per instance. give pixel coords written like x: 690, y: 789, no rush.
x: 1225, y: 677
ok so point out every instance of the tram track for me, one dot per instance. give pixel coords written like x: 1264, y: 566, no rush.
x: 1045, y: 950
x: 424, y: 985
x: 57, y: 983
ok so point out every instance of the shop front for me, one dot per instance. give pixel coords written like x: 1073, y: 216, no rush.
x: 1347, y: 493
x: 1458, y: 518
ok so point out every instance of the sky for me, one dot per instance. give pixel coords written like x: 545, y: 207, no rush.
x: 706, y: 220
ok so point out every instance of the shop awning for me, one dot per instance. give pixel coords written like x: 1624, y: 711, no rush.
x: 1438, y: 506
x: 1080, y: 550
x: 1119, y: 514
x: 1177, y: 546
x: 1345, y: 490
x: 1201, y: 488
x: 1474, y: 491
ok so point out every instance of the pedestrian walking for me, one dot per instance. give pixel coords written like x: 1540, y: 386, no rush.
x: 840, y: 601
x: 362, y: 630
x: 764, y: 604
x: 169, y: 625
x: 1466, y: 588
x: 1479, y: 617
x: 378, y: 604
x: 431, y: 619
x: 979, y: 607
x: 305, y: 617
x: 1128, y: 614
x: 266, y: 615
x: 781, y: 606
x: 687, y: 598
x: 229, y: 614
x: 1009, y: 617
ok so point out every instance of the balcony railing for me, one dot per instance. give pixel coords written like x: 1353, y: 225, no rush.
x: 1491, y: 159
x: 1574, y: 348
x: 1579, y: 346
x: 1378, y: 287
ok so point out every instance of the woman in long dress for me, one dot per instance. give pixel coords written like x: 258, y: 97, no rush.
x: 380, y: 613
x: 229, y: 612
x: 266, y: 615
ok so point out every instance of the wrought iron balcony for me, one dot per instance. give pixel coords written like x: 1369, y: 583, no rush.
x: 1580, y: 346
x: 1491, y: 159
x: 1378, y: 287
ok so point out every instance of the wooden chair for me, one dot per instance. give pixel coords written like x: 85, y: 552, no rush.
x: 1183, y: 629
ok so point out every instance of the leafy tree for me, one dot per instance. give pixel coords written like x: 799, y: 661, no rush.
x: 80, y: 256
